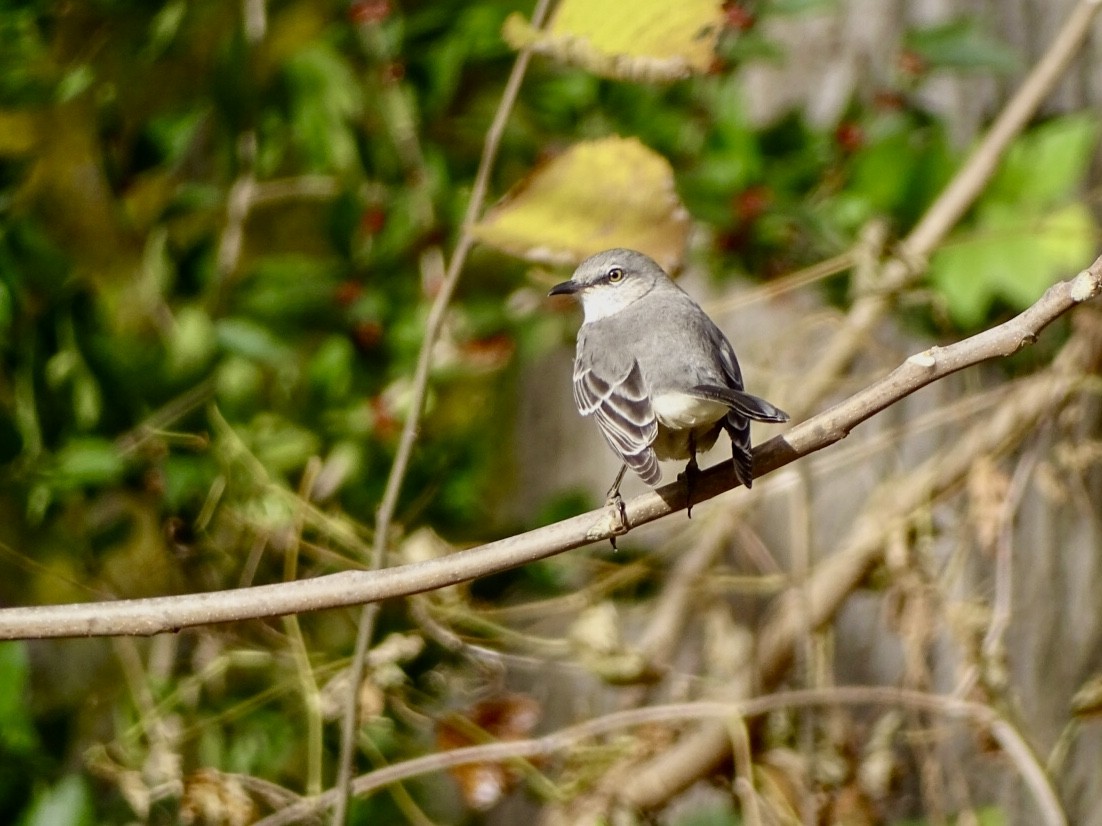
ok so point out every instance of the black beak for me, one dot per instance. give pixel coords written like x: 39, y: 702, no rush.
x: 565, y: 288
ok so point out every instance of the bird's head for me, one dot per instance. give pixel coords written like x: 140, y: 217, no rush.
x: 609, y: 281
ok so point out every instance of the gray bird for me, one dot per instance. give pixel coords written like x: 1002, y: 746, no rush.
x: 655, y: 372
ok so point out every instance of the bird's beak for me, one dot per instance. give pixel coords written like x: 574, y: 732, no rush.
x: 565, y: 288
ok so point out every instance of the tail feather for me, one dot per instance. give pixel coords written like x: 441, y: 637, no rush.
x: 742, y: 460
x: 741, y: 402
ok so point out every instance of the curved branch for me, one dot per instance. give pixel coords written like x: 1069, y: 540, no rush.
x: 1011, y: 741
x: 159, y: 614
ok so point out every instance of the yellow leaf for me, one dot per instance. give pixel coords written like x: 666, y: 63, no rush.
x: 649, y: 40
x: 612, y: 192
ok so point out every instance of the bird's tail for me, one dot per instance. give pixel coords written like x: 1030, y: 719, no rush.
x: 741, y: 402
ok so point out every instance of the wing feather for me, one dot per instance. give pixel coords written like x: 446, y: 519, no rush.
x: 741, y: 402
x: 621, y: 405
x: 744, y: 407
x: 742, y: 460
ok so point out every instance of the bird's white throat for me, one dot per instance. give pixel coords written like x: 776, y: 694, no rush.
x: 602, y: 302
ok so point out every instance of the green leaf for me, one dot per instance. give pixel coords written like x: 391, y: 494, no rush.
x: 1053, y: 246
x: 1027, y: 231
x: 173, y: 132
x: 325, y: 98
x: 289, y: 288
x: 991, y: 816
x: 721, y: 814
x: 279, y: 444
x: 799, y: 6
x: 240, y: 384
x: 962, y: 44
x: 7, y: 312
x: 165, y: 26
x: 246, y: 338
x: 882, y: 171
x: 187, y: 479
x: 68, y: 803
x: 1048, y: 164
x: 17, y: 732
x: 86, y: 462
x: 332, y: 367
x: 1010, y: 256
x: 959, y: 273
x: 192, y: 343
x: 74, y: 82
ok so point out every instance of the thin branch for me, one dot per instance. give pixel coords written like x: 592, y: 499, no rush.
x: 1004, y: 556
x: 444, y: 295
x: 680, y: 591
x: 158, y: 614
x: 385, y: 513
x: 564, y: 740
x: 744, y: 770
x: 308, y: 684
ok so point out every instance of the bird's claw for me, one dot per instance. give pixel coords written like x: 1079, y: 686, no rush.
x: 614, y: 521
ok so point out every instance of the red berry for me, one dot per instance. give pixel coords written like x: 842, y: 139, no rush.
x: 372, y: 221
x: 367, y: 334
x: 849, y: 136
x: 751, y: 203
x: 393, y: 72
x: 739, y: 18
x: 348, y: 292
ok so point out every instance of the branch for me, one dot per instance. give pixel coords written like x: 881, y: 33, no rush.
x: 159, y: 614
x: 564, y: 740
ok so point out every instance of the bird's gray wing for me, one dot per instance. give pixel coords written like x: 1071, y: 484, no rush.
x: 727, y: 360
x: 621, y: 405
x: 744, y: 407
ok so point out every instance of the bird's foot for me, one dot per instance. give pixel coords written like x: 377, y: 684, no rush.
x: 612, y: 523
x: 619, y: 519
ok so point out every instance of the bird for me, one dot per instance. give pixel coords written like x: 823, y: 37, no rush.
x: 655, y: 372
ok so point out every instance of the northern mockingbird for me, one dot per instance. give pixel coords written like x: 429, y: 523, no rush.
x: 655, y: 372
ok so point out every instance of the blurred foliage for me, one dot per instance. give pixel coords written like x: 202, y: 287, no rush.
x: 219, y: 237
x: 1028, y: 229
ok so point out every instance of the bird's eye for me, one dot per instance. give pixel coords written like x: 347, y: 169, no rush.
x: 615, y: 275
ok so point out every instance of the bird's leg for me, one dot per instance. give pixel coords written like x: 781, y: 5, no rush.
x: 616, y: 501
x: 614, y: 492
x: 691, y: 470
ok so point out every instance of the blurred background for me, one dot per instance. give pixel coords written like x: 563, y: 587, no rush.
x: 222, y: 226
